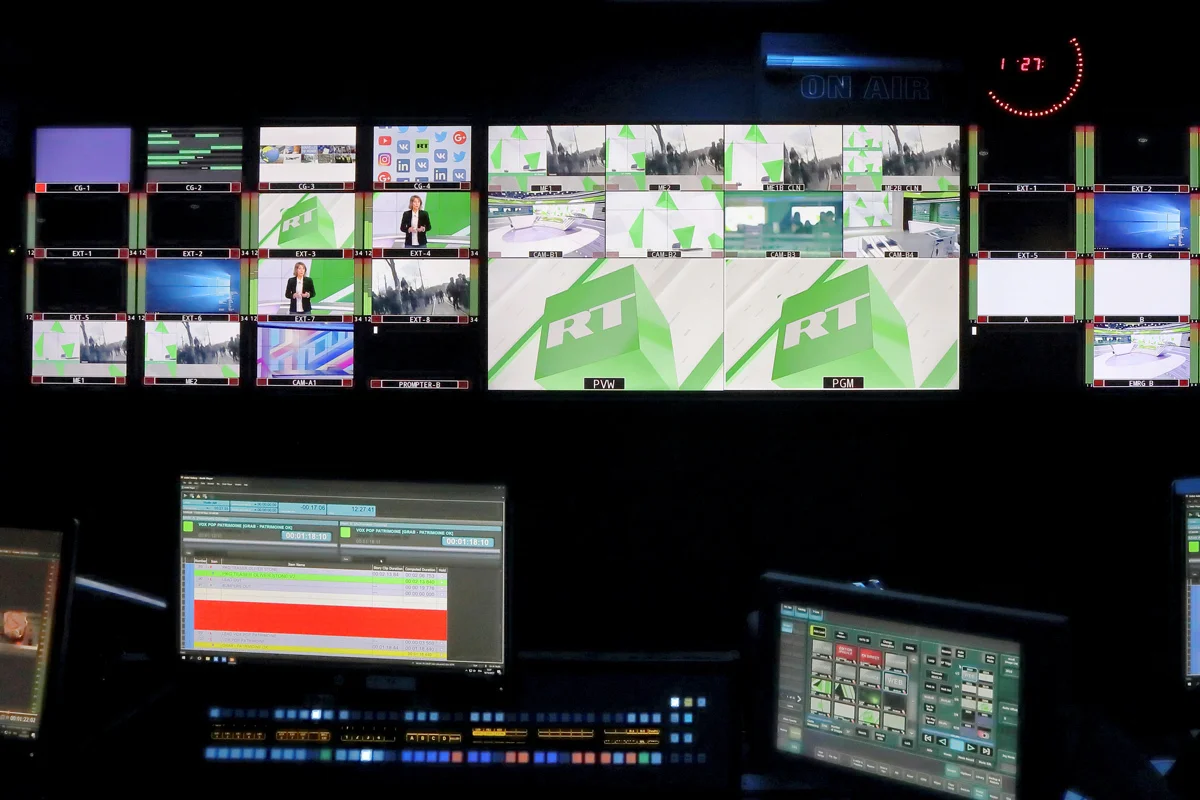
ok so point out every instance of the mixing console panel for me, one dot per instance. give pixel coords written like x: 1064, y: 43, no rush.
x: 662, y: 731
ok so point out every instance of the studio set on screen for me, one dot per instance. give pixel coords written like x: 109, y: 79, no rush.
x: 804, y: 414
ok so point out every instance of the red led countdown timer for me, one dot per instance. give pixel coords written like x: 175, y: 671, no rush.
x: 1037, y: 86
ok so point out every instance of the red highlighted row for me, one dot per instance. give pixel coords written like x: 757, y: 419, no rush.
x: 308, y: 620
x: 859, y: 655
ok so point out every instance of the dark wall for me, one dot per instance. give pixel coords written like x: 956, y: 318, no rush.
x: 638, y: 522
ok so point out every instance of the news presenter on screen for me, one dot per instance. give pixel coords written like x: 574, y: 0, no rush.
x: 300, y: 290
x: 415, y: 224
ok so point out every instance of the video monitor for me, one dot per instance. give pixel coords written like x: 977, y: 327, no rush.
x: 439, y: 154
x: 330, y: 282
x: 558, y: 224
x: 1009, y: 154
x: 1187, y: 528
x: 1143, y: 222
x: 607, y: 324
x: 660, y: 157
x: 546, y: 158
x: 194, y: 159
x: 419, y: 357
x: 326, y: 156
x: 80, y: 286
x: 445, y: 216
x: 193, y: 353
x: 1027, y: 223
x: 918, y: 738
x: 71, y: 350
x: 1143, y: 355
x: 841, y: 323
x: 791, y: 157
x: 901, y: 224
x: 1027, y: 289
x: 192, y: 285
x: 194, y: 221
x: 96, y: 157
x: 300, y: 354
x: 1143, y: 157
x: 441, y: 289
x: 783, y: 224
x: 306, y: 225
x: 88, y: 220
x: 333, y: 573
x: 30, y: 575
x: 664, y: 224
x: 1142, y: 289
x: 905, y: 157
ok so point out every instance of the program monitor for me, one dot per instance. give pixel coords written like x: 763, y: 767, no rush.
x: 333, y: 572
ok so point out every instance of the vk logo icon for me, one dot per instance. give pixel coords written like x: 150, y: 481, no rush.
x: 422, y: 164
x: 460, y: 175
x: 404, y: 146
x: 403, y: 129
x: 402, y: 165
x: 440, y: 156
x: 439, y: 175
x: 440, y: 136
x: 459, y: 155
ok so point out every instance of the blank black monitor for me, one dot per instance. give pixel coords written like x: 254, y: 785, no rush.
x: 35, y: 575
x: 82, y: 220
x: 194, y: 220
x: 339, y: 573
x: 965, y: 705
x: 80, y: 286
x: 1143, y: 155
x: 1010, y: 154
x: 1025, y: 222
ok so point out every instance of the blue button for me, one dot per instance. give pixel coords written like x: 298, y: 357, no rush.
x: 631, y: 719
x: 378, y: 756
x: 406, y: 756
x: 214, y: 713
x: 701, y: 702
x: 276, y: 753
x: 674, y: 758
x: 485, y: 757
x: 524, y: 716
x: 369, y: 715
x: 687, y: 758
x: 499, y: 716
x: 316, y: 714
x: 554, y: 716
x: 687, y: 718
x: 958, y: 745
x: 656, y: 718
x: 539, y: 757
x: 289, y: 754
x: 541, y: 717
x: 421, y: 716
x: 222, y: 753
x: 339, y: 755
x: 487, y: 716
x: 702, y: 757
x: 606, y: 717
x: 674, y: 738
x: 474, y: 716
x: 551, y: 758
x: 408, y: 716
x: 687, y: 738
x: 210, y: 753
x: 472, y: 757
x: 591, y: 718
x: 419, y: 756
x: 301, y: 754
x: 656, y: 758
x: 391, y: 755
x: 279, y: 713
x: 291, y: 713
x: 674, y: 717
x: 240, y: 713
x: 260, y: 754
x: 343, y: 714
x: 355, y: 715
x: 433, y: 716
x: 444, y: 757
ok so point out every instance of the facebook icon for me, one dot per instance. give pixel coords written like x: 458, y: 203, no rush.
x: 422, y: 164
x: 403, y: 146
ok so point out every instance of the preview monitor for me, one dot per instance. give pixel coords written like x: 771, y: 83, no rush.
x: 194, y: 158
x: 401, y: 575
x: 928, y: 695
x: 1187, y: 528
x: 409, y: 154
x: 293, y: 155
x: 33, y: 589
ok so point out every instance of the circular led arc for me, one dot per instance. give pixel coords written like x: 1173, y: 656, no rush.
x: 1045, y: 112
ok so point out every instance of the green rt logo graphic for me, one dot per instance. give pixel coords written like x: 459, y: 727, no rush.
x: 844, y: 326
x: 307, y: 225
x: 609, y: 327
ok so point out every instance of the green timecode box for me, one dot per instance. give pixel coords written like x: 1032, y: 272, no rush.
x: 1194, y: 547
x: 187, y: 526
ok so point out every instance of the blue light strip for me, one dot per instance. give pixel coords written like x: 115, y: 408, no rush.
x: 116, y: 591
x: 785, y: 61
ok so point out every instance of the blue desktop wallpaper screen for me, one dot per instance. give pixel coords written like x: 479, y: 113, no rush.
x: 193, y: 286
x: 1143, y: 221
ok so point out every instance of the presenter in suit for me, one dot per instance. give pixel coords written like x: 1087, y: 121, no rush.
x: 415, y: 224
x: 300, y: 290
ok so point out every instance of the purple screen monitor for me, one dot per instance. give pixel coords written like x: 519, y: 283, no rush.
x: 83, y: 155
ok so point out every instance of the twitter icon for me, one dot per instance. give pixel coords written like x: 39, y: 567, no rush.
x: 440, y: 136
x: 421, y: 128
x: 403, y: 129
x: 459, y: 155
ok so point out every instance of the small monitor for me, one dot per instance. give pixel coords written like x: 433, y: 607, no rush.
x: 336, y: 573
x: 1187, y: 504
x: 34, y: 582
x: 927, y: 695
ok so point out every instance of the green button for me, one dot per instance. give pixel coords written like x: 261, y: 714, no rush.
x: 643, y: 758
x: 326, y: 754
x: 952, y: 771
x: 345, y: 533
x: 187, y: 526
x: 1194, y: 547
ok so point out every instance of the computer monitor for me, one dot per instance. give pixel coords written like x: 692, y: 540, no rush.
x: 35, y: 579
x: 923, y: 696
x: 1187, y: 525
x: 403, y: 576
